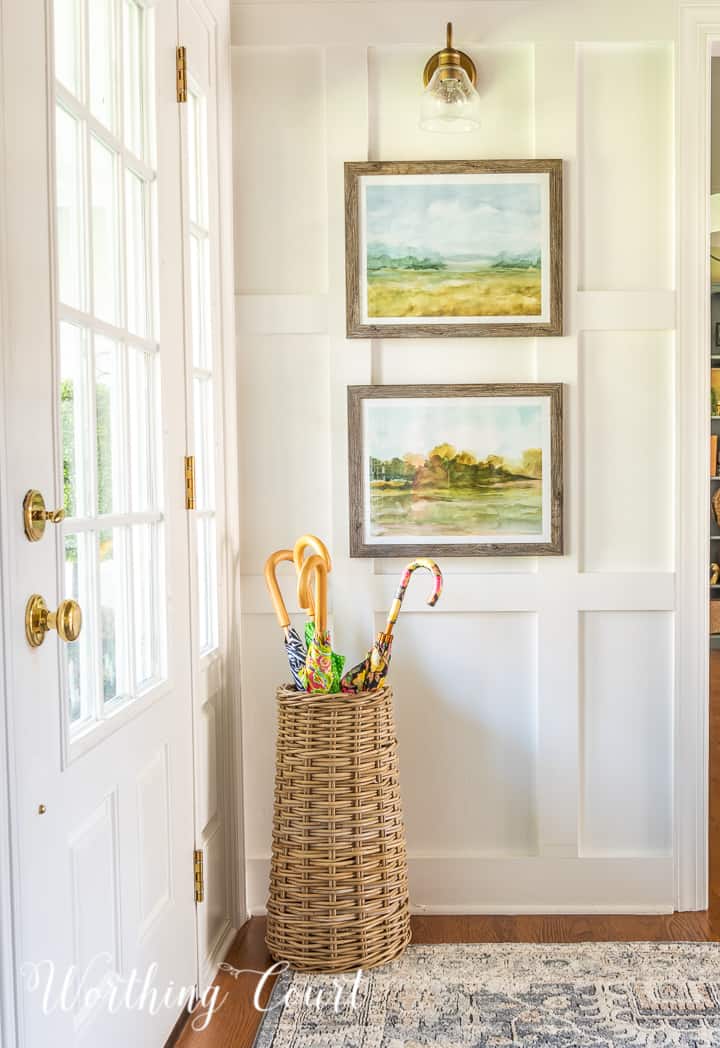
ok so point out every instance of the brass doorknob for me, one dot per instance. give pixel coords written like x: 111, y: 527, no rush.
x: 67, y: 620
x: 36, y: 516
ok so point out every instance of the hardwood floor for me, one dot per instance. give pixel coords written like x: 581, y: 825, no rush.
x: 235, y: 1025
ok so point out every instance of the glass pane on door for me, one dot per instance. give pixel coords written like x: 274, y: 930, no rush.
x: 66, y: 30
x: 113, y: 609
x: 79, y: 657
x: 69, y: 217
x: 110, y: 442
x: 136, y: 233
x: 101, y: 30
x: 104, y: 222
x: 107, y: 270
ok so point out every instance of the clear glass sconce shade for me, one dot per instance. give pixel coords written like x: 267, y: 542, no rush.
x: 450, y: 103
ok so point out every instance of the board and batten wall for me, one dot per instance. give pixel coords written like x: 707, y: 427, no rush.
x: 535, y: 701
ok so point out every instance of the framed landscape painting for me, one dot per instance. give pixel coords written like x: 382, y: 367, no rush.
x: 456, y: 470
x: 464, y: 247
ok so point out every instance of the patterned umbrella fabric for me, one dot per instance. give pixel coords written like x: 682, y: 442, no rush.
x: 337, y: 662
x: 372, y: 672
x: 306, y: 601
x: 318, y: 674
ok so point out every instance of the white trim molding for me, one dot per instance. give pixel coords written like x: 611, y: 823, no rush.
x: 234, y: 783
x: 698, y: 30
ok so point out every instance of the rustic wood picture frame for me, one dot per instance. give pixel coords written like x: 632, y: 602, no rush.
x: 357, y: 328
x: 359, y: 547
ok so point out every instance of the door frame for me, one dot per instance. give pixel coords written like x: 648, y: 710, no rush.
x: 228, y: 555
x: 9, y: 874
x: 698, y: 37
x: 10, y: 1032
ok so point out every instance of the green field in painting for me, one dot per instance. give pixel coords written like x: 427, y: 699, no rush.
x: 511, y: 507
x: 497, y: 291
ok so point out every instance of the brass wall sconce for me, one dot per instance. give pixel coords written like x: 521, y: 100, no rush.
x: 450, y: 102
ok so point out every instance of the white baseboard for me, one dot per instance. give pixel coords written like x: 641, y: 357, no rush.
x: 525, y: 885
x: 210, y: 968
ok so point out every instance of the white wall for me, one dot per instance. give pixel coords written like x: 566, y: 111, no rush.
x: 534, y: 703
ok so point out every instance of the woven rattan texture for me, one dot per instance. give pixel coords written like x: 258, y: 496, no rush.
x: 338, y: 877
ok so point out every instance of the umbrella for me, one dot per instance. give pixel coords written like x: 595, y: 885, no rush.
x: 305, y: 600
x: 372, y: 672
x: 317, y: 673
x: 293, y: 644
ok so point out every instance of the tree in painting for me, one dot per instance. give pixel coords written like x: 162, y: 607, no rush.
x: 490, y: 484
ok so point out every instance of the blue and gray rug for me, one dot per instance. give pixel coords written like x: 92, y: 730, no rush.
x: 495, y: 995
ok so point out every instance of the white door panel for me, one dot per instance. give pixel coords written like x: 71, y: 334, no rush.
x: 102, y: 729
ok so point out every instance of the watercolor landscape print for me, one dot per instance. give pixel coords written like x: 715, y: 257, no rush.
x: 457, y: 253
x: 451, y: 250
x: 456, y: 471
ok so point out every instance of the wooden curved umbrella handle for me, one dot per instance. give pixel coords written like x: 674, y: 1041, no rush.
x: 314, y: 543
x: 419, y: 562
x: 305, y: 595
x: 272, y: 584
x: 317, y: 567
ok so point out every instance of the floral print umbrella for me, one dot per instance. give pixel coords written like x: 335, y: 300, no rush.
x: 307, y: 603
x: 372, y: 672
x: 318, y: 674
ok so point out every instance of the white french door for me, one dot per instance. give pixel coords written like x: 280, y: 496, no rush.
x: 202, y: 252
x: 111, y: 266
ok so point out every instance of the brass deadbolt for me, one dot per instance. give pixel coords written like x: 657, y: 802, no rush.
x: 67, y: 620
x: 36, y: 516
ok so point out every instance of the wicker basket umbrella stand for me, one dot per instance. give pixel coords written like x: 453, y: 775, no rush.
x: 338, y: 878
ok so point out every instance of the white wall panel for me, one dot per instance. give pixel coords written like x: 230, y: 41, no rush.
x: 279, y: 130
x: 395, y: 86
x: 627, y: 393
x: 264, y: 667
x: 626, y: 166
x: 626, y: 733
x: 462, y: 566
x: 284, y: 450
x: 506, y: 716
x: 466, y: 693
x: 462, y: 884
x: 454, y: 360
x: 405, y: 23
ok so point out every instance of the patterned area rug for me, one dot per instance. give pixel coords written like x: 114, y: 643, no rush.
x: 487, y: 995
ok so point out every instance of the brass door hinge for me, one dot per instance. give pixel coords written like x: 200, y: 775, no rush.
x: 189, y: 482
x: 199, y: 875
x: 181, y: 74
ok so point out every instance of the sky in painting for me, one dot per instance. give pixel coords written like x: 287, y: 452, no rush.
x: 479, y: 425
x: 478, y: 219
